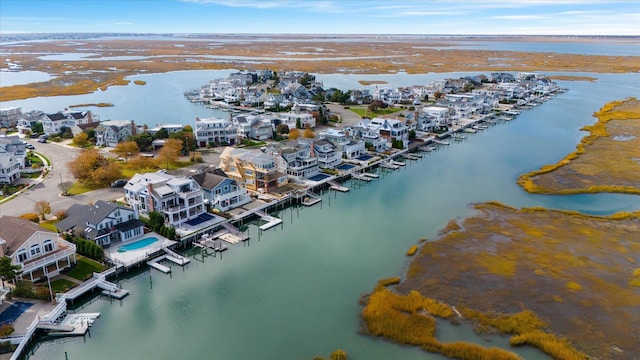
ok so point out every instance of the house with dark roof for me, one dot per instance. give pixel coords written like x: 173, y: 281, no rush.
x: 38, y: 251
x: 102, y: 223
x: 221, y: 192
x: 111, y: 132
x: 53, y: 123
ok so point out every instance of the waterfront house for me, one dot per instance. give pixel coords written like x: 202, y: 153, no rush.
x: 38, y: 251
x: 327, y: 154
x: 349, y: 148
x: 391, y: 129
x: 214, y: 131
x: 12, y: 159
x: 435, y: 116
x: 109, y: 133
x: 371, y: 139
x: 255, y: 170
x: 178, y: 198
x: 102, y: 223
x: 220, y: 191
x: 299, y: 159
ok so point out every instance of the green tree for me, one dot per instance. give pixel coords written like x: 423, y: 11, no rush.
x: 37, y: 128
x: 282, y: 129
x: 8, y: 271
x: 412, y: 134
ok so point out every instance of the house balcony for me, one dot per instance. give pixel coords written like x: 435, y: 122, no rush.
x: 64, y: 250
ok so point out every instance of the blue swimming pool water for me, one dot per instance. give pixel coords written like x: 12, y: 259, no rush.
x: 138, y: 244
x: 365, y: 157
x: 13, y: 312
x: 345, y: 166
x: 319, y: 177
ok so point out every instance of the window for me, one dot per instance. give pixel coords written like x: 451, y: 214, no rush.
x: 48, y: 245
x: 22, y: 255
x: 35, y: 250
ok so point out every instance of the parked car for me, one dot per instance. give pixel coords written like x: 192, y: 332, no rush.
x: 119, y: 183
x: 42, y: 140
x: 30, y: 147
x: 34, y: 135
x: 44, y: 136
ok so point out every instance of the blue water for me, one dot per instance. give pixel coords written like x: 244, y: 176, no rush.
x: 293, y: 292
x: 13, y: 312
x: 345, y: 167
x: 138, y: 244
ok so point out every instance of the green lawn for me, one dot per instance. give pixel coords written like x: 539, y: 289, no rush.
x: 61, y: 285
x: 49, y: 225
x: 84, y: 268
x: 363, y: 111
x: 80, y: 188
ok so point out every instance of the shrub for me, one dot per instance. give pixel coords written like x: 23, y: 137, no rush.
x: 32, y: 217
x: 6, y: 330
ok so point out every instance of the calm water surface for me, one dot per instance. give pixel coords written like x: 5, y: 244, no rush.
x: 292, y: 292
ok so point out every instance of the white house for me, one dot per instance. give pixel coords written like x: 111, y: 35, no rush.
x: 436, y: 116
x: 292, y: 118
x: 12, y: 159
x: 53, y: 123
x: 102, y: 223
x: 348, y: 147
x: 178, y: 199
x: 39, y: 252
x: 214, y: 131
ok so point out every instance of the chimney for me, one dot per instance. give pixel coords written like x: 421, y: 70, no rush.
x: 3, y: 247
x: 89, y: 117
x: 150, y: 197
x: 133, y: 128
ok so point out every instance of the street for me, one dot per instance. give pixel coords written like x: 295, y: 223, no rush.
x: 49, y: 189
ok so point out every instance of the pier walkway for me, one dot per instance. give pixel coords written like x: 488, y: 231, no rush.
x: 271, y: 221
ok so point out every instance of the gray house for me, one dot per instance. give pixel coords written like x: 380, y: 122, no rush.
x: 103, y: 222
x: 221, y: 192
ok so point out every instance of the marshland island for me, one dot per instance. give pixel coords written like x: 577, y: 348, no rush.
x: 565, y: 282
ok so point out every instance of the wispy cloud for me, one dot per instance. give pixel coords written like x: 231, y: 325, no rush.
x: 323, y: 6
x: 518, y: 17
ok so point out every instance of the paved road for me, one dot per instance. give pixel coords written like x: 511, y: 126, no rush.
x: 349, y: 118
x: 49, y: 189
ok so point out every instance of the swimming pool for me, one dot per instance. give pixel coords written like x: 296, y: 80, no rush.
x: 345, y: 167
x: 138, y: 244
x: 13, y: 312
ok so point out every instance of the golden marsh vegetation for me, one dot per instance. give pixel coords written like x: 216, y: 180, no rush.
x: 577, y: 273
x: 368, y: 56
x: 606, y: 160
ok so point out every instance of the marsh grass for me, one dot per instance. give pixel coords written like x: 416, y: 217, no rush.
x: 600, y: 163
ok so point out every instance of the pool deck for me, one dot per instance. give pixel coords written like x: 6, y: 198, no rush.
x: 130, y: 257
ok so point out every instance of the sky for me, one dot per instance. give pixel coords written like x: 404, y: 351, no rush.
x: 474, y: 17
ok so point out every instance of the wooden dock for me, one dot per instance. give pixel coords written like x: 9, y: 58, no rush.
x: 271, y: 221
x: 338, y: 187
x: 361, y: 177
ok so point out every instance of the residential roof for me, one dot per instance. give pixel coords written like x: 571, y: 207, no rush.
x: 79, y: 215
x: 15, y: 231
x: 208, y: 180
x: 57, y: 116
